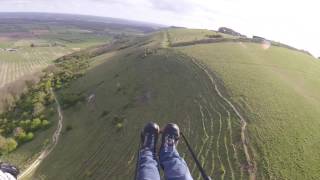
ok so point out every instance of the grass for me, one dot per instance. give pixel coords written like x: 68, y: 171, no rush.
x: 278, y: 90
x: 144, y: 79
x: 180, y: 35
x: 136, y: 89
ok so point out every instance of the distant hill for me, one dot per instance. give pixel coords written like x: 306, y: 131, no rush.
x: 47, y: 17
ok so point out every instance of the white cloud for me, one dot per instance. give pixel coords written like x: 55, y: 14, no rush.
x: 289, y: 21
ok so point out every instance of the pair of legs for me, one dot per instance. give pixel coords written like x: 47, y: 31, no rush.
x: 175, y: 168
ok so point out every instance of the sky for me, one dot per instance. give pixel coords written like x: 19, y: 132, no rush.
x: 294, y: 22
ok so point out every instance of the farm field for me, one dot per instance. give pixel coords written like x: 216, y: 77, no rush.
x: 26, y: 61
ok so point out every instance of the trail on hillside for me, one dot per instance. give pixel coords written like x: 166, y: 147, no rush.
x: 251, y: 163
x: 49, y: 148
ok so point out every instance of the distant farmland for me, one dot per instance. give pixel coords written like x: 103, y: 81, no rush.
x: 14, y: 65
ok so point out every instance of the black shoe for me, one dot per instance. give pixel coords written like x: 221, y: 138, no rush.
x: 7, y: 168
x: 170, y: 137
x: 149, y: 136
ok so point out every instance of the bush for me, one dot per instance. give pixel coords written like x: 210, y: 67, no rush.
x: 35, y: 124
x: 68, y: 128
x: 119, y: 126
x: 45, y: 124
x: 29, y: 136
x: 38, y: 108
x: 214, y: 36
x: 25, y: 124
x: 20, y: 134
x: 70, y: 99
x: 7, y: 145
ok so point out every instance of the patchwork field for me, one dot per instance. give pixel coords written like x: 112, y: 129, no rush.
x: 26, y: 61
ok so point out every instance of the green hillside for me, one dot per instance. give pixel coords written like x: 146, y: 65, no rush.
x: 278, y: 89
x: 250, y: 111
x: 132, y: 86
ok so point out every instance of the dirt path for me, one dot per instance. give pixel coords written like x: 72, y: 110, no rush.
x: 251, y: 164
x: 49, y: 148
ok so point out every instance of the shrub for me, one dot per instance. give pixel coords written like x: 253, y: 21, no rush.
x: 45, y: 124
x: 38, y: 108
x: 68, y: 128
x: 25, y: 124
x: 35, y: 124
x: 214, y: 36
x: 20, y: 134
x: 104, y: 113
x: 7, y: 145
x: 29, y: 136
x: 70, y: 99
x: 119, y: 126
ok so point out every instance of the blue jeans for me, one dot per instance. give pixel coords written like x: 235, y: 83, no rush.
x: 175, y: 168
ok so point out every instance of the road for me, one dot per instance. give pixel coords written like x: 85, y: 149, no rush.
x: 49, y: 148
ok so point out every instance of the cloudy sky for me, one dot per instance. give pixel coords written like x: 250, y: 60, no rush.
x: 294, y: 22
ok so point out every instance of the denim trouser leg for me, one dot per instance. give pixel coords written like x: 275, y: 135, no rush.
x: 148, y: 166
x: 175, y: 168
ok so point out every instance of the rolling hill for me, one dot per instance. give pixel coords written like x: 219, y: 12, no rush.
x: 250, y: 110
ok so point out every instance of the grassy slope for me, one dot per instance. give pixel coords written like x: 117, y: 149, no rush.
x: 279, y: 91
x: 275, y: 88
x: 164, y: 87
x: 178, y: 35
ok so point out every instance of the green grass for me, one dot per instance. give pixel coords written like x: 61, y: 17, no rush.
x: 179, y: 35
x: 275, y: 89
x: 278, y: 89
x: 138, y: 89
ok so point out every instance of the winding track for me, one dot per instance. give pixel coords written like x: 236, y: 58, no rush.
x: 49, y: 148
x: 249, y: 159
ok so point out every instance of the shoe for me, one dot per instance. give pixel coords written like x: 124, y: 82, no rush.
x: 170, y: 137
x: 7, y: 168
x: 149, y: 136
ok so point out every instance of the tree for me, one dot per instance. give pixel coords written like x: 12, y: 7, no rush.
x: 38, y: 108
x: 45, y: 123
x: 11, y: 145
x: 25, y: 124
x: 7, y: 145
x: 35, y: 124
x: 19, y: 134
x: 29, y: 136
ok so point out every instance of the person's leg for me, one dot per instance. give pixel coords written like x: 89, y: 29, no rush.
x: 175, y: 168
x: 148, y: 167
